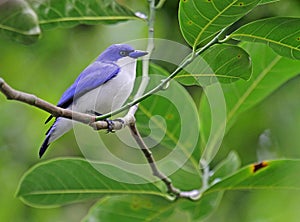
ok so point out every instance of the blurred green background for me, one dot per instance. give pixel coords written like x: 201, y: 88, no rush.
x: 48, y: 67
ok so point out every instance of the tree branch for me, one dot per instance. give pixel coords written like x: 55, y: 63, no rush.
x: 30, y: 99
x: 133, y: 129
x: 145, y: 80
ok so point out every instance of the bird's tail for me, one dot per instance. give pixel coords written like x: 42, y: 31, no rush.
x: 44, y: 145
x: 58, y: 128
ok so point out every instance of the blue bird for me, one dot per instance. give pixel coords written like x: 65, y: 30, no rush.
x: 103, y: 86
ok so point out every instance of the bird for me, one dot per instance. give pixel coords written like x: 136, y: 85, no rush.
x: 101, y: 87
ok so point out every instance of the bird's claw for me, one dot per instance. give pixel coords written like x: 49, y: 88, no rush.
x: 110, y: 123
x: 110, y: 126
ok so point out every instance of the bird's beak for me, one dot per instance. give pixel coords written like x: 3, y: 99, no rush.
x: 137, y: 53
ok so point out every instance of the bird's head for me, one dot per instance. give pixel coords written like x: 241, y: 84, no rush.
x: 118, y: 51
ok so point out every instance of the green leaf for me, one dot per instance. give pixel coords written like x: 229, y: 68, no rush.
x: 68, y: 13
x: 151, y: 208
x: 18, y: 21
x: 226, y: 62
x: 62, y: 181
x: 135, y: 208
x: 280, y: 33
x: 200, y: 20
x: 270, y: 71
x: 276, y: 174
x: 267, y: 1
x: 227, y: 167
x: 129, y: 208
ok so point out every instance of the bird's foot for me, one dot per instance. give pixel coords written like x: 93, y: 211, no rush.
x: 110, y: 126
x: 110, y: 123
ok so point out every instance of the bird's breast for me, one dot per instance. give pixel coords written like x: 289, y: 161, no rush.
x: 112, y: 94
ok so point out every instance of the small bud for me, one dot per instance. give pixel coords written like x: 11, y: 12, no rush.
x: 141, y: 15
x: 166, y: 85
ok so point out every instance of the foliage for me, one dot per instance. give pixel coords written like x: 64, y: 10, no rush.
x: 251, y: 62
x: 22, y: 20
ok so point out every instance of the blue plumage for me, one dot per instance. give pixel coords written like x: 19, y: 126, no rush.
x: 93, y: 76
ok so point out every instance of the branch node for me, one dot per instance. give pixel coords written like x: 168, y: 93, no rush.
x: 32, y: 99
x: 193, y: 194
x: 129, y: 119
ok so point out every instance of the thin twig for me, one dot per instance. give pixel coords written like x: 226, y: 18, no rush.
x: 150, y: 47
x: 160, y: 4
x: 133, y: 129
x: 146, y: 59
x: 145, y: 80
x: 147, y: 153
x: 205, y: 175
x: 192, y: 194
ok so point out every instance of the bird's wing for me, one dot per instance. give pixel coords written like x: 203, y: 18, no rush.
x: 93, y: 76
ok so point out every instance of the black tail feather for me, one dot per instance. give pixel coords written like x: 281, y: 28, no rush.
x: 44, y: 146
x: 48, y: 131
x: 48, y: 119
x: 46, y: 141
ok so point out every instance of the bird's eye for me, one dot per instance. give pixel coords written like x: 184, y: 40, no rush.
x: 123, y: 53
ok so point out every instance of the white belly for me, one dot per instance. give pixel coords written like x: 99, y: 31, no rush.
x: 112, y: 94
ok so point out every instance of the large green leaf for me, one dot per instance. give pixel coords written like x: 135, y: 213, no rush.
x: 270, y: 71
x: 63, y: 181
x: 21, y: 20
x: 280, y: 33
x: 135, y: 208
x: 267, y: 1
x: 151, y: 208
x: 276, y: 174
x: 225, y: 63
x: 200, y: 20
x: 279, y: 174
x: 18, y: 21
x: 68, y: 13
x: 226, y: 167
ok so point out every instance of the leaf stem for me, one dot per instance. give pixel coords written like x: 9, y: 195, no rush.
x: 146, y: 59
x: 205, y: 175
x: 150, y: 47
x: 160, y: 4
